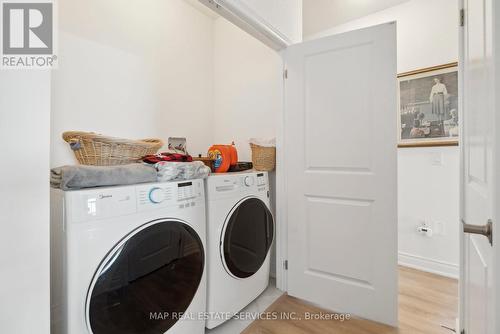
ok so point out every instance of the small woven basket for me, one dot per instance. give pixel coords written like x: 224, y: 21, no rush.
x: 263, y: 158
x: 98, y: 150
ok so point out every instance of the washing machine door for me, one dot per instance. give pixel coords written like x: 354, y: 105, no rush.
x: 149, y: 277
x: 247, y: 237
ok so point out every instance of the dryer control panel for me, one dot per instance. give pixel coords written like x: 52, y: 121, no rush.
x: 261, y: 179
x: 237, y: 184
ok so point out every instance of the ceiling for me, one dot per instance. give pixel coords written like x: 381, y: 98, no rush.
x: 320, y: 15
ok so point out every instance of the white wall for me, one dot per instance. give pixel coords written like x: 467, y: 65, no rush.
x: 323, y: 14
x: 428, y: 191
x: 24, y: 201
x: 133, y: 69
x: 427, y: 36
x: 427, y: 31
x: 247, y: 88
x: 248, y: 93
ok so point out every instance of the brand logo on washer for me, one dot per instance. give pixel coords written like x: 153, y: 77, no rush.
x: 102, y: 196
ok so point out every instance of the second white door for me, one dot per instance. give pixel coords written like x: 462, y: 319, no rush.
x: 340, y: 161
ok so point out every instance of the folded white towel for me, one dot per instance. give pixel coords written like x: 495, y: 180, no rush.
x: 82, y: 176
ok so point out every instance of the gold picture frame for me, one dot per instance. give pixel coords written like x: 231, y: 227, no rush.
x: 428, y: 107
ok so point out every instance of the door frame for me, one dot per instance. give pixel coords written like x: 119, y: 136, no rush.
x: 496, y: 212
x: 461, y: 241
x: 281, y: 189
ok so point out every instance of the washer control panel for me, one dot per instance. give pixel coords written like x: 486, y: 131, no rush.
x: 99, y: 203
x: 169, y: 194
x: 186, y: 191
x: 154, y: 194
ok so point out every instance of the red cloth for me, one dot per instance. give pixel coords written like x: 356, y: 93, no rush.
x: 165, y: 156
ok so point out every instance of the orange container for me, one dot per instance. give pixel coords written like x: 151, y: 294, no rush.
x: 224, y: 156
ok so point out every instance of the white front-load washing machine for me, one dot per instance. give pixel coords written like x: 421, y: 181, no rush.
x: 129, y: 259
x: 240, y: 230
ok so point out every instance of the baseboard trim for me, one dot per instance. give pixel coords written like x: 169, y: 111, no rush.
x: 429, y: 265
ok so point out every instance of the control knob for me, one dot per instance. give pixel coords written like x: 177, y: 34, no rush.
x: 249, y: 181
x: 156, y: 195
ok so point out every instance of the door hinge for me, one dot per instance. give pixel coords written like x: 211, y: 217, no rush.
x: 285, y: 264
x: 285, y: 73
x: 462, y: 17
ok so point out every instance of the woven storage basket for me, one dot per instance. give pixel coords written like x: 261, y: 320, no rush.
x: 263, y: 158
x: 98, y: 150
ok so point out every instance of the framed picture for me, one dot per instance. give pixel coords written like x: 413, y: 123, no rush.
x: 428, y: 107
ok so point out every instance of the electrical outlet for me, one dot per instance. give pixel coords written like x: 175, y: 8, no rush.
x: 424, y: 228
x: 422, y: 224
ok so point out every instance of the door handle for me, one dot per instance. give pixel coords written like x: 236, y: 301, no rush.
x: 486, y: 230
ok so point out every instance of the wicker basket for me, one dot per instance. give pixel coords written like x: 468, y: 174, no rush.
x: 263, y: 158
x: 98, y: 150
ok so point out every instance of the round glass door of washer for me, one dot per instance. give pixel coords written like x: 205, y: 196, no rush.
x: 247, y: 237
x: 150, y: 275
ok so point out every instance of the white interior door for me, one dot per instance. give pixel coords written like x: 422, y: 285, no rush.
x: 340, y: 161
x: 480, y: 166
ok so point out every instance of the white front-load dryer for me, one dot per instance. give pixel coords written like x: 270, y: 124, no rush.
x: 129, y: 259
x: 240, y: 231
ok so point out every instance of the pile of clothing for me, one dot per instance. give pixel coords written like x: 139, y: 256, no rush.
x: 160, y: 167
x: 176, y: 167
x: 168, y: 157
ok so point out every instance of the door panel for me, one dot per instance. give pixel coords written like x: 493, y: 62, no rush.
x: 324, y: 130
x: 323, y: 237
x: 340, y: 152
x: 478, y: 166
x: 247, y: 237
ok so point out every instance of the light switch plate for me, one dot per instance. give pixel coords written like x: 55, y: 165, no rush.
x: 436, y: 159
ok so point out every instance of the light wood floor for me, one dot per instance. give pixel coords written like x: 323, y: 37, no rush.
x: 426, y: 302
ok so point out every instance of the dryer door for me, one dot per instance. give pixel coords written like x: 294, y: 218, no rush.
x: 247, y: 237
x: 150, y: 275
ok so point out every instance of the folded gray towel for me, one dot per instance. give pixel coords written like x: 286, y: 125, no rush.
x: 81, y: 176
